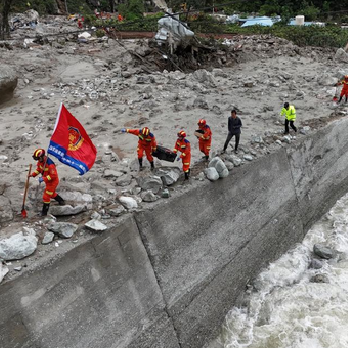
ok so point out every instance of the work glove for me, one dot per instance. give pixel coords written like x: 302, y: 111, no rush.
x: 41, y: 179
x: 123, y: 130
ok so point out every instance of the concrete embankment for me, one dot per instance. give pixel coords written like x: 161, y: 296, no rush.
x: 166, y: 277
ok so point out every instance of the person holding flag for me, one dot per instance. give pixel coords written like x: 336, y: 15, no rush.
x: 46, y: 167
x: 72, y: 146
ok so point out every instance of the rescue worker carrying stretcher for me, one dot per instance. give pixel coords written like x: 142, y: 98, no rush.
x: 47, y: 168
x: 204, y: 138
x: 147, y: 143
x: 344, y: 91
x: 183, y: 145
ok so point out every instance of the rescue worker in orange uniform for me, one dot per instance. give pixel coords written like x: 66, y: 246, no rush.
x: 47, y: 168
x: 147, y: 143
x: 183, y: 145
x: 344, y: 91
x: 204, y: 138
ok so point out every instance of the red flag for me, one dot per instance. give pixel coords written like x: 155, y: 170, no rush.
x: 71, y: 144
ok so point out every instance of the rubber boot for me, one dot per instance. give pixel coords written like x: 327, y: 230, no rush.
x: 152, y: 166
x: 187, y: 174
x: 206, y: 158
x: 60, y: 200
x: 140, y: 164
x: 45, y: 208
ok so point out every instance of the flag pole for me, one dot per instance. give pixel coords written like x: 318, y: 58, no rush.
x: 55, y: 126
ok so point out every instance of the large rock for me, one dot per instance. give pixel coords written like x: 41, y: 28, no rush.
x: 128, y: 202
x: 95, y: 225
x: 108, y: 173
x: 323, y: 251
x: 6, y: 213
x: 8, y: 82
x: 17, y: 246
x: 63, y: 210
x: 211, y: 174
x: 220, y: 167
x: 235, y: 160
x: 48, y: 238
x: 341, y: 55
x: 64, y: 229
x: 117, y: 211
x: 205, y: 77
x: 77, y: 197
x: 124, y: 180
x: 153, y: 183
x: 148, y: 196
x: 169, y: 177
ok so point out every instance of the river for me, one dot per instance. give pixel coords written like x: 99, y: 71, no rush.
x: 283, y: 308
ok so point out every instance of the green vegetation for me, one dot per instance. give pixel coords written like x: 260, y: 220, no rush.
x: 329, y: 36
x: 41, y: 6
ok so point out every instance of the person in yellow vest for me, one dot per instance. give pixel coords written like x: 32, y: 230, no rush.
x: 289, y: 112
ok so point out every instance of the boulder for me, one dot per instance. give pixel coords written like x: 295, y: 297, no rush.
x: 124, y: 180
x: 235, y: 160
x: 95, y: 225
x: 63, y: 210
x: 341, y: 55
x: 323, y: 252
x: 128, y: 202
x: 48, y: 238
x: 169, y: 177
x: 117, y: 211
x: 204, y: 76
x: 8, y: 82
x: 316, y: 264
x: 248, y: 157
x: 219, y: 73
x: 63, y: 229
x: 17, y: 246
x: 3, y: 271
x: 108, y: 173
x: 148, y: 196
x: 77, y: 197
x: 319, y: 278
x: 6, y: 213
x: 211, y: 174
x: 220, y: 167
x: 153, y: 183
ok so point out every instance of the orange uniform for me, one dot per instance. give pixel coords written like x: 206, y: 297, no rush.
x: 344, y: 91
x: 145, y: 143
x: 50, y: 177
x: 184, y: 146
x: 204, y: 142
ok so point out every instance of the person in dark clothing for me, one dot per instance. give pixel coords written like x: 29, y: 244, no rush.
x: 234, y: 124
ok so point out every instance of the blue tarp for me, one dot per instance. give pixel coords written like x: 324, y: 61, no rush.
x: 266, y: 22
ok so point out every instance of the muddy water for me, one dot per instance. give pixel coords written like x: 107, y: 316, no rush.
x: 284, y: 309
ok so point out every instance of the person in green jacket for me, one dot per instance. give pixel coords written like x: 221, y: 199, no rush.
x: 290, y: 116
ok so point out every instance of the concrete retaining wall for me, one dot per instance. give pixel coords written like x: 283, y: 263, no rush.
x: 167, y: 276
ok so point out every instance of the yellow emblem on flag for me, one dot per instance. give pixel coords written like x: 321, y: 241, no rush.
x: 75, y: 139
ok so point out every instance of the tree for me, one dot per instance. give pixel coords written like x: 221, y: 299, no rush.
x: 5, y: 7
x: 132, y: 9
